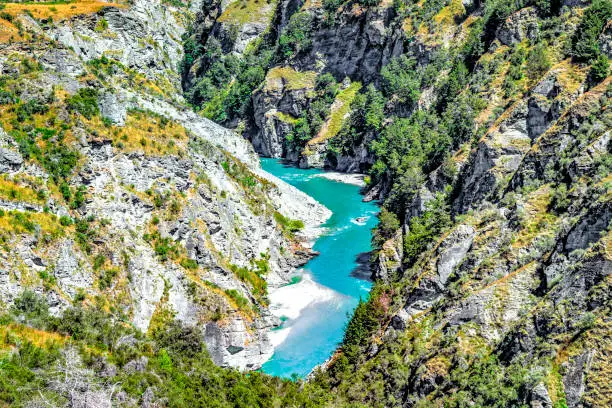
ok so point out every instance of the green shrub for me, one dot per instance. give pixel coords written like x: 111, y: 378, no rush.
x: 240, y: 300
x: 98, y: 262
x: 538, y: 62
x: 188, y: 263
x: 65, y: 220
x: 295, y: 39
x: 288, y: 225
x: 560, y: 201
x: 105, y: 279
x: 585, y: 43
x: 79, y: 198
x: 32, y: 306
x: 387, y: 226
x: 426, y: 228
x: 101, y: 25
x: 7, y: 97
x: 85, y: 102
x: 599, y: 70
x: 400, y: 79
x: 22, y: 220
x: 31, y: 107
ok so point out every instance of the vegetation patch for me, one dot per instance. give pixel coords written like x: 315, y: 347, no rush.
x: 339, y: 111
x: 13, y: 191
x: 289, y: 226
x: 58, y: 10
x: 292, y: 79
x: 25, y: 222
x: 147, y: 132
x: 248, y: 11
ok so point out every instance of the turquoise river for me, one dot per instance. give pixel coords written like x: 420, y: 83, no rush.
x: 329, y: 288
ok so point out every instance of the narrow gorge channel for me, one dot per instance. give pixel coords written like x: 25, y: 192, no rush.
x: 316, y: 308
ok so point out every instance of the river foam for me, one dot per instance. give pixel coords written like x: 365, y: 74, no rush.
x: 288, y: 302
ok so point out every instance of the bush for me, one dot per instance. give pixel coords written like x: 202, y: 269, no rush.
x: 60, y: 162
x: 240, y: 300
x: 32, y: 306
x: 189, y: 263
x: 178, y: 339
x: 560, y: 200
x: 424, y: 229
x: 92, y: 325
x: 456, y: 82
x: 65, y: 220
x: 85, y: 102
x: 331, y: 6
x: 399, y: 79
x: 288, y: 225
x: 538, y: 62
x: 106, y: 278
x: 23, y: 220
x: 79, y: 198
x: 31, y: 107
x: 387, y: 226
x: 585, y: 43
x: 599, y: 70
x: 295, y: 39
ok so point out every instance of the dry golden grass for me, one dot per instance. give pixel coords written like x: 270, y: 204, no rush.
x: 538, y: 220
x: 48, y: 224
x: 248, y: 11
x: 292, y: 79
x: 144, y: 132
x: 312, y: 4
x: 8, y: 32
x: 58, y: 11
x: 19, y: 332
x: 11, y: 191
x: 447, y: 15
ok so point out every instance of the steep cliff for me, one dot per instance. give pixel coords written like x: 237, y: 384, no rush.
x: 112, y: 189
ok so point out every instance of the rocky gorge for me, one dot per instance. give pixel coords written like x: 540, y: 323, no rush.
x: 483, y: 127
x: 140, y: 237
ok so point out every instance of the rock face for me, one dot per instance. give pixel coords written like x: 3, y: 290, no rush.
x: 151, y: 23
x: 173, y: 206
x: 277, y: 103
x: 499, y: 277
x: 490, y: 147
x: 355, y: 47
x: 518, y: 27
x: 358, y: 45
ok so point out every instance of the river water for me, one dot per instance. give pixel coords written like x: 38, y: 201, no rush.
x: 315, y: 310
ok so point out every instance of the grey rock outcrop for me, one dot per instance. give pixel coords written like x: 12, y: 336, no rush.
x: 10, y: 160
x: 519, y: 26
x: 70, y: 272
x: 113, y: 109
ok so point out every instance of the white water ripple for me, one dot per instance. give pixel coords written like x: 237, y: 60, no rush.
x: 290, y: 301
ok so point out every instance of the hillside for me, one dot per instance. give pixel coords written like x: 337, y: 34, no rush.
x: 140, y: 238
x: 117, y: 199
